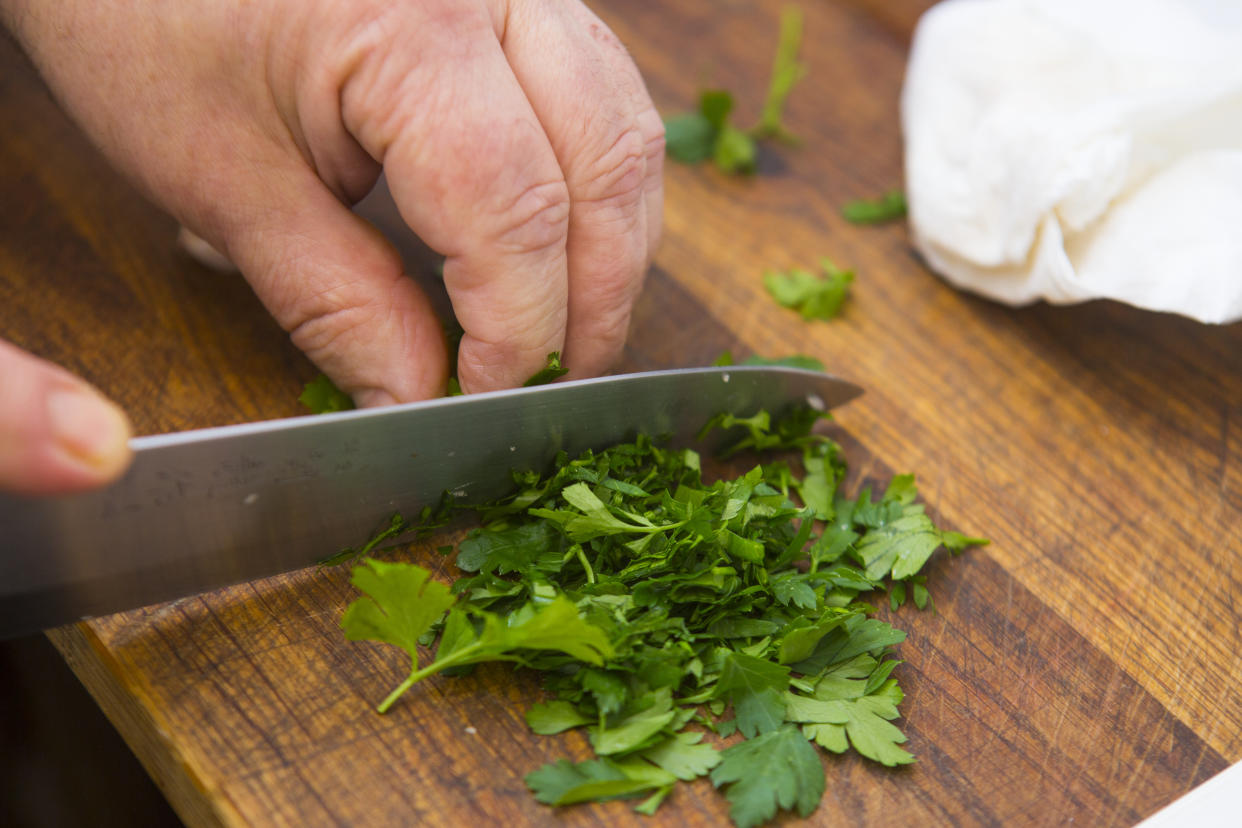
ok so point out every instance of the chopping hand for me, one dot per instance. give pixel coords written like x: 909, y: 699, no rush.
x: 517, y: 137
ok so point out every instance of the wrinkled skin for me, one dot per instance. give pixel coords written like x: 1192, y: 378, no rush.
x: 516, y: 135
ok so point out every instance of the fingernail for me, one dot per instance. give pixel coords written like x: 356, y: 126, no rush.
x: 89, y: 428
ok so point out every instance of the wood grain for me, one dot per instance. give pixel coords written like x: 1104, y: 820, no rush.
x: 1083, y: 668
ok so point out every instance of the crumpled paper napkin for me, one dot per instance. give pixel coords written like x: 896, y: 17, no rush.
x: 1076, y: 149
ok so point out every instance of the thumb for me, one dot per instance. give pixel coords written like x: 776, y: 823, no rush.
x: 57, y: 434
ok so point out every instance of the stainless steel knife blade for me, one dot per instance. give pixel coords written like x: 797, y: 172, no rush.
x: 204, y: 509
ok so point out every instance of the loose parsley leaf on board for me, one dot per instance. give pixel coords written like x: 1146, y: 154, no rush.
x: 322, y: 396
x: 889, y: 207
x: 553, y: 370
x: 659, y: 607
x: 401, y: 603
x: 815, y: 297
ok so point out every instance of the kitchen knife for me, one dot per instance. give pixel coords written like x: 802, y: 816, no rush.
x: 203, y: 509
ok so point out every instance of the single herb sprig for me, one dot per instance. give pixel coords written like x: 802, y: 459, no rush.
x: 694, y: 137
x: 661, y: 609
x: 707, y: 134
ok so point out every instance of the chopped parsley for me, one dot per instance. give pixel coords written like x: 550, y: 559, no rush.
x: 322, y: 396
x: 553, y: 370
x: 806, y: 363
x: 815, y: 297
x: 689, y: 628
x: 889, y: 207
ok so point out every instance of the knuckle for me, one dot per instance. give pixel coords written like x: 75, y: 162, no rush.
x: 536, y: 220
x: 616, y: 289
x: 522, y: 327
x: 484, y: 365
x: 611, y: 330
x: 616, y: 175
x: 389, y: 54
x: 334, y: 320
x: 594, y: 349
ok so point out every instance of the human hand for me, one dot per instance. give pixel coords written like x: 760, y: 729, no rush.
x: 517, y: 138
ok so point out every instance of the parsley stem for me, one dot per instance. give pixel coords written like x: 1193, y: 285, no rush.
x: 398, y: 692
x: 590, y: 573
x: 462, y: 655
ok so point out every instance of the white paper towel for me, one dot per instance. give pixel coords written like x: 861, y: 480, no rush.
x: 1076, y: 149
x: 1214, y: 804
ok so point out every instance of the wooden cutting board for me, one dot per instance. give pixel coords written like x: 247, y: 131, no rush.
x: 1083, y: 668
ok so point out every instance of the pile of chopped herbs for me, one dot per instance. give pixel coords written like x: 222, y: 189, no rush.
x: 691, y: 629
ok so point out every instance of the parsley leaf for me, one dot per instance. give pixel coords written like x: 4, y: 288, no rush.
x: 637, y: 729
x: 813, y: 296
x: 756, y: 688
x: 555, y: 716
x: 734, y: 151
x: 889, y: 207
x: 685, y: 755
x: 322, y: 396
x: 707, y: 134
x: 866, y: 720
x: 401, y: 604
x: 956, y: 541
x: 689, y: 137
x: 900, y: 547
x: 777, y: 769
x: 715, y: 106
x: 510, y: 549
x: 565, y: 783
